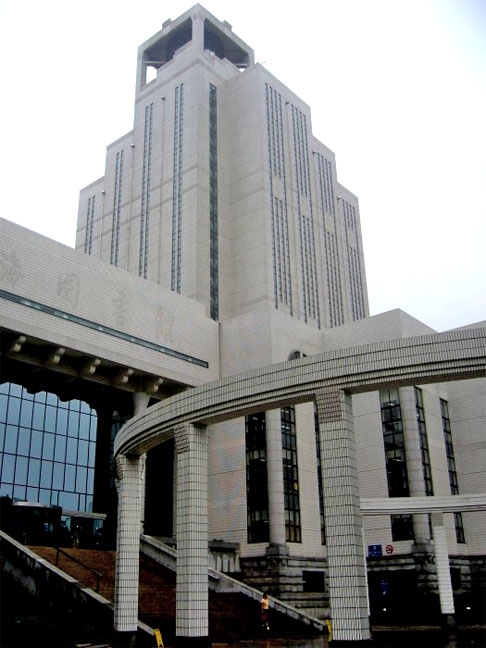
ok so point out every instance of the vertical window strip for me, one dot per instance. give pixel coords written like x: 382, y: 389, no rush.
x: 451, y: 466
x: 213, y: 204
x: 117, y: 202
x: 424, y: 443
x: 335, y: 299
x: 293, y: 532
x: 279, y: 223
x: 88, y: 239
x: 177, y: 190
x: 393, y: 438
x: 354, y: 264
x: 319, y: 480
x: 146, y: 186
x: 256, y: 478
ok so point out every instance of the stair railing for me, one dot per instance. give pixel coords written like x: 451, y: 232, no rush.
x: 82, y: 564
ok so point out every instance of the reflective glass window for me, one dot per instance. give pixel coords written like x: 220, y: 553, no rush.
x: 36, y: 444
x: 72, y: 450
x: 62, y: 420
x: 13, y: 411
x: 8, y: 468
x: 73, y: 424
x: 48, y: 447
x: 19, y: 492
x: 69, y: 501
x: 11, y: 439
x: 81, y: 476
x: 38, y: 417
x: 46, y: 474
x: 58, y: 476
x: 32, y: 494
x: 34, y: 472
x: 21, y: 470
x: 83, y: 450
x: 15, y: 390
x: 23, y: 442
x: 69, y: 477
x: 50, y: 420
x: 26, y: 413
x: 60, y: 453
x: 3, y: 407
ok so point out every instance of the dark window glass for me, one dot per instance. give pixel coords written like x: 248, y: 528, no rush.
x: 256, y: 478
x: 402, y: 527
x: 396, y: 464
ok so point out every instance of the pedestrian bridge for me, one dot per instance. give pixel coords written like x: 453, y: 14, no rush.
x: 327, y: 379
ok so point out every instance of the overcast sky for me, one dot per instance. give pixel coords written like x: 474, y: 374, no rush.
x: 397, y: 89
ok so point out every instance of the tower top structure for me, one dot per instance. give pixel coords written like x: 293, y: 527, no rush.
x: 195, y: 28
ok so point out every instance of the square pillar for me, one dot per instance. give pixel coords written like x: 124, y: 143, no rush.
x: 192, y: 626
x: 128, y: 549
x: 344, y: 534
x: 446, y: 594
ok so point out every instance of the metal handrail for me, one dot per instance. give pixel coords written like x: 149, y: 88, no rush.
x: 93, y: 571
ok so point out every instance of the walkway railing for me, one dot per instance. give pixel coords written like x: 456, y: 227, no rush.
x: 82, y: 564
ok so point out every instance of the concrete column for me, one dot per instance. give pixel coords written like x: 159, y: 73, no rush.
x: 140, y: 404
x: 198, y: 32
x: 192, y: 627
x: 276, y: 512
x: 443, y: 570
x: 128, y: 549
x: 344, y: 532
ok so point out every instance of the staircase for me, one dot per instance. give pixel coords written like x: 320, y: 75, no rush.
x: 232, y: 614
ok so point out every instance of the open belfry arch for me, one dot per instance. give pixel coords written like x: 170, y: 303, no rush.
x: 329, y: 380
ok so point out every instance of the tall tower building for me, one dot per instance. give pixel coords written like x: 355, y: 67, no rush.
x: 221, y: 192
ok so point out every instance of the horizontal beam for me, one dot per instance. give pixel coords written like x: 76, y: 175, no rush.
x: 437, y: 504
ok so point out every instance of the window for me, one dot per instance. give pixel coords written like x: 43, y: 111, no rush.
x: 451, y: 464
x: 424, y: 445
x: 396, y: 464
x: 43, y: 464
x: 290, y: 475
x: 402, y: 527
x: 256, y: 478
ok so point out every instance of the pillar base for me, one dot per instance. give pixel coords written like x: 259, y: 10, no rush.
x: 124, y: 639
x: 345, y: 643
x: 192, y: 642
x: 449, y: 623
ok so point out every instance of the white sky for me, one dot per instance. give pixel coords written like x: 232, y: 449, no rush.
x: 397, y: 90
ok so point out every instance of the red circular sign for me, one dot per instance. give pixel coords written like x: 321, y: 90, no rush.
x: 389, y: 549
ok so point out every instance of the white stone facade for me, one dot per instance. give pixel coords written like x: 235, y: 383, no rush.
x: 220, y: 241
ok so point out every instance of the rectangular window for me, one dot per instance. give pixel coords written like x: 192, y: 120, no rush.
x: 290, y: 475
x: 451, y: 464
x: 319, y: 480
x: 396, y: 463
x: 424, y: 444
x: 256, y: 478
x: 402, y: 527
